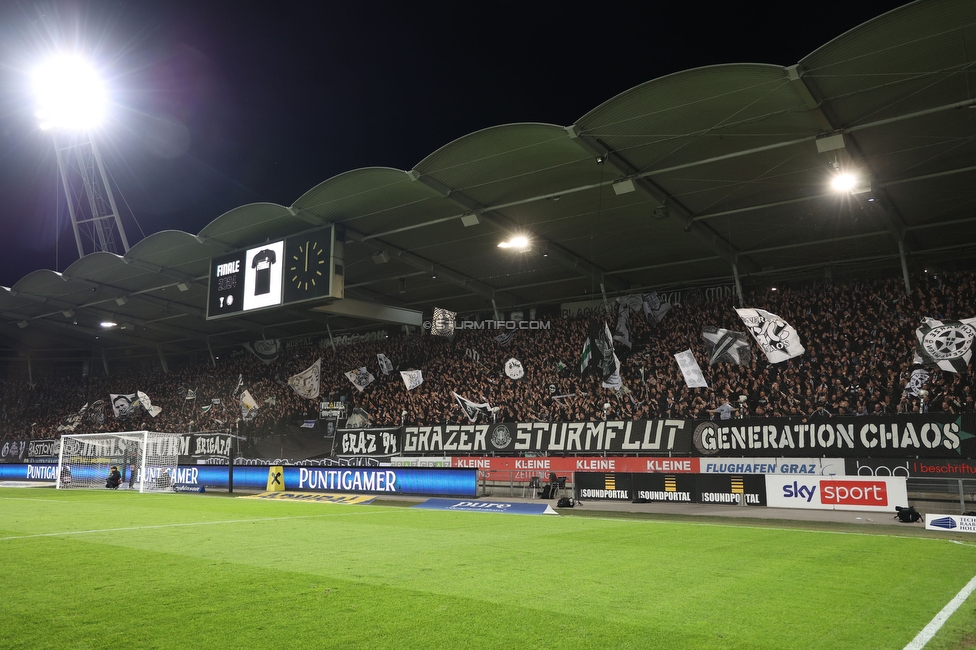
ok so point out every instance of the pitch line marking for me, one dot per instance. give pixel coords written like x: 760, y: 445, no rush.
x: 936, y: 623
x: 178, y: 525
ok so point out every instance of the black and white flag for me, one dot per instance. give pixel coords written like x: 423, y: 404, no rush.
x: 472, y: 354
x: 514, y: 369
x: 601, y: 349
x: 947, y: 344
x: 690, y: 369
x: 412, y: 378
x: 307, y: 382
x: 726, y: 346
x: 505, y: 338
x: 96, y: 412
x: 623, y: 335
x: 916, y: 381
x: 386, y: 366
x: 654, y: 307
x: 240, y: 382
x: 122, y: 405
x: 249, y: 408
x: 360, y: 378
x: 71, y: 422
x: 776, y: 338
x: 634, y: 301
x: 191, y: 394
x: 471, y: 409
x: 358, y: 419
x: 442, y: 324
x: 267, y: 350
x: 614, y: 381
x: 148, y: 405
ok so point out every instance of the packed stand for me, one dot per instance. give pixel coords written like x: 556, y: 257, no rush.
x: 858, y: 338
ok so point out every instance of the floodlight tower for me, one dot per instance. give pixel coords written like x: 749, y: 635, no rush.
x: 71, y: 102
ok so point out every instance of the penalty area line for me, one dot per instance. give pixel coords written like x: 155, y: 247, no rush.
x: 936, y: 623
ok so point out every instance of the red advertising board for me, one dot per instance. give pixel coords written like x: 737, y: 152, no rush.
x: 526, y: 468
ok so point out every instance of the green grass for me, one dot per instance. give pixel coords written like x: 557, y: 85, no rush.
x: 198, y: 571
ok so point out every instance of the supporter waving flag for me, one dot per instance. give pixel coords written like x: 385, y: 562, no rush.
x: 148, y: 405
x: 360, y: 378
x: 947, y: 344
x: 623, y: 334
x: 723, y: 345
x: 690, y: 369
x: 307, y: 382
x: 776, y: 338
x: 412, y: 378
x: 654, y: 307
x: 386, y: 366
x: 471, y: 409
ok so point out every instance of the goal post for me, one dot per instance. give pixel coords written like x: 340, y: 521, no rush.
x: 146, y: 460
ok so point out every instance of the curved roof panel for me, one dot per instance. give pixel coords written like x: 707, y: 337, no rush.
x: 682, y: 180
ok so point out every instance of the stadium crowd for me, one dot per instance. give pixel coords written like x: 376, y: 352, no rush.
x: 858, y: 337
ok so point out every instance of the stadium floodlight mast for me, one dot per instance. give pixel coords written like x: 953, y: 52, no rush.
x: 71, y: 101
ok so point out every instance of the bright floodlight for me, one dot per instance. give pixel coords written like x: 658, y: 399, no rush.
x: 520, y: 243
x: 69, y: 94
x: 844, y: 182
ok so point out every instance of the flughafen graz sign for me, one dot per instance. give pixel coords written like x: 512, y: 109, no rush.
x: 933, y: 435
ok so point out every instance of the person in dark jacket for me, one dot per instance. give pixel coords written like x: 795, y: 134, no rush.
x: 114, y: 479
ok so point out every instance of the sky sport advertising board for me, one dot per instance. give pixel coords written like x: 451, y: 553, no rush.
x: 877, y: 494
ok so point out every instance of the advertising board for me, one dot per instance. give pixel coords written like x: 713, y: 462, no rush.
x: 877, y: 494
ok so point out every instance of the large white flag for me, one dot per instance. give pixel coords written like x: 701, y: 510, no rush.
x: 248, y: 406
x: 776, y: 338
x: 514, y: 369
x: 412, y: 378
x: 122, y: 405
x: 307, y: 382
x: 386, y: 366
x: 471, y: 409
x: 690, y: 369
x: 360, y: 378
x: 148, y: 405
x: 614, y: 381
x: 947, y: 344
x: 71, y: 422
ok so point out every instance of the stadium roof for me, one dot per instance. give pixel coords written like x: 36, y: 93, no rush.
x: 683, y: 180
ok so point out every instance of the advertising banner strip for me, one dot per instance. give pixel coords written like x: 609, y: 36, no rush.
x: 498, y: 507
x: 911, y: 467
x: 952, y: 523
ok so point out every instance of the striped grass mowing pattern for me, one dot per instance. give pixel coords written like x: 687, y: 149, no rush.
x: 178, y: 571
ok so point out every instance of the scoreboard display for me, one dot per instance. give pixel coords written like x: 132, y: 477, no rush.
x: 298, y: 269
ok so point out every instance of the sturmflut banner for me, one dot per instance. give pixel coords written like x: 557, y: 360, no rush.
x: 931, y: 435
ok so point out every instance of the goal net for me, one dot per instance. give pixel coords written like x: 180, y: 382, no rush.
x: 146, y: 460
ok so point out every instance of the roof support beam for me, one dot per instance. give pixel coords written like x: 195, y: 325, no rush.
x: 722, y: 247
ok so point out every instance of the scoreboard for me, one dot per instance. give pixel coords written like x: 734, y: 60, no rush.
x: 302, y: 268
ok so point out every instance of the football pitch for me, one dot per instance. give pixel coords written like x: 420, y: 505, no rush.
x: 99, y: 569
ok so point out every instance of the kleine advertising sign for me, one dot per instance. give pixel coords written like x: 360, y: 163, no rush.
x: 878, y: 494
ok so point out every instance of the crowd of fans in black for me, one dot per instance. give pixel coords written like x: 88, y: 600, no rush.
x: 858, y: 337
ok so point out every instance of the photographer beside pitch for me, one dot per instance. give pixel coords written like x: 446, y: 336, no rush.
x: 114, y: 479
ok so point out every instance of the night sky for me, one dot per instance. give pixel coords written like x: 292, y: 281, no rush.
x: 220, y: 104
